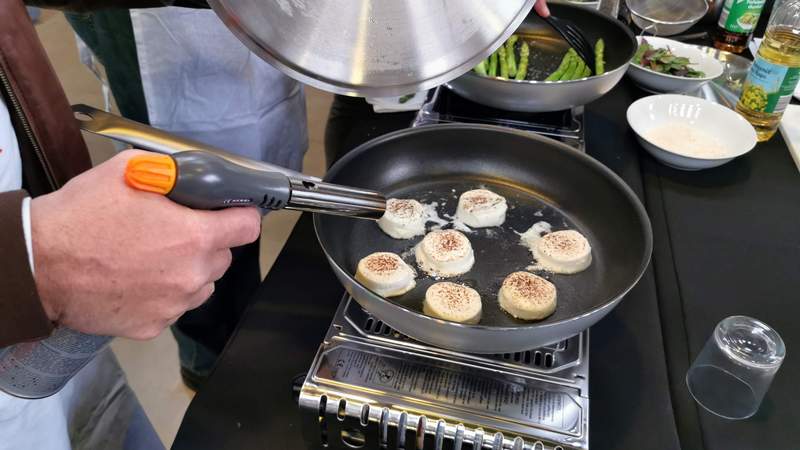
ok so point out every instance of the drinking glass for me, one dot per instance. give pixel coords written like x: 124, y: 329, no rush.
x: 733, y: 372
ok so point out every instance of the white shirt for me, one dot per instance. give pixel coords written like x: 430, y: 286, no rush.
x: 11, y: 171
x: 10, y: 163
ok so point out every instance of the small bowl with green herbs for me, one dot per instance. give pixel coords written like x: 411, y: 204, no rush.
x: 663, y: 65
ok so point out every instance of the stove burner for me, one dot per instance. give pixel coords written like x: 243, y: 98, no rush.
x: 445, y: 106
x: 372, y: 387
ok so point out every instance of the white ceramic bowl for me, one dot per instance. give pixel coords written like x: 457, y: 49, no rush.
x: 731, y: 130
x: 653, y: 81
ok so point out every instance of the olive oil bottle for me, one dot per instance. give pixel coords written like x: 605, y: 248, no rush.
x: 736, y: 24
x: 775, y: 72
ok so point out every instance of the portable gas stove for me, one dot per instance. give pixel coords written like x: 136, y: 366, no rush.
x: 371, y: 387
x: 445, y: 106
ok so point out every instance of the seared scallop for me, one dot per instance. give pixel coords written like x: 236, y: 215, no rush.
x: 454, y: 302
x: 527, y: 296
x: 565, y: 251
x: 481, y: 208
x: 445, y: 253
x: 386, y: 274
x: 403, y: 218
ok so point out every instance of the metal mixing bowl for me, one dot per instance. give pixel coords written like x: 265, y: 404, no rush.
x: 666, y: 18
x: 372, y: 48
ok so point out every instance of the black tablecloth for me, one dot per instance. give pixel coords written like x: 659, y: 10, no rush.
x: 727, y: 241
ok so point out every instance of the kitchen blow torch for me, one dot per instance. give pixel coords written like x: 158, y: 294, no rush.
x: 203, y: 180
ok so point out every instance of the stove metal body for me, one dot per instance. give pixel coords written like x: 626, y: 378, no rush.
x: 373, y: 388
x: 445, y: 106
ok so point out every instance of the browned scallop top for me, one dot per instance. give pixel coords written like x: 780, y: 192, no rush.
x: 446, y: 244
x: 567, y: 242
x: 402, y: 208
x: 382, y: 263
x: 529, y: 286
x: 480, y: 199
x: 454, y: 296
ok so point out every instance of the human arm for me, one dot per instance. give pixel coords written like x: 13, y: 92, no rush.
x: 114, y: 261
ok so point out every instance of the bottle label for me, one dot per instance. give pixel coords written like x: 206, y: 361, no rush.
x: 769, y: 86
x: 740, y: 16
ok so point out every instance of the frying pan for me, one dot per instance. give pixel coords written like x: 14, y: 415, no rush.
x: 546, y: 54
x: 543, y: 180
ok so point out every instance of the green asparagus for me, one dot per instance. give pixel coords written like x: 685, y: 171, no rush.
x: 524, y: 54
x: 406, y: 98
x: 480, y: 69
x: 511, y: 56
x: 502, y: 61
x: 573, y: 66
x: 506, y: 63
x: 493, y: 65
x: 555, y: 76
x: 599, y: 64
x: 579, y: 68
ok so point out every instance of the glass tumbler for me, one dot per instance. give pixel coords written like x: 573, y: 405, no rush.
x: 733, y: 372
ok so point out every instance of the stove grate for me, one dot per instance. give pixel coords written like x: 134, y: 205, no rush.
x: 549, y: 358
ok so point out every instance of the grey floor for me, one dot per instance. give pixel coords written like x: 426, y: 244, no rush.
x: 152, y: 366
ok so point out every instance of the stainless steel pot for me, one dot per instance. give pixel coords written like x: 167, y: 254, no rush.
x: 372, y: 48
x: 539, y: 96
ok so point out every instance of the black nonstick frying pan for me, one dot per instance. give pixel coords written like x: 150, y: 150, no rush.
x: 543, y: 180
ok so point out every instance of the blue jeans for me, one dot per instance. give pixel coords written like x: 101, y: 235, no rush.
x: 34, y: 13
x: 96, y: 410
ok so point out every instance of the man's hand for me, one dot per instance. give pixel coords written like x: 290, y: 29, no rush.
x: 114, y: 261
x: 541, y: 8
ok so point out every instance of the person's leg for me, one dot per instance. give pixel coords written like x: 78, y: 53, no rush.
x: 34, y: 13
x: 352, y: 121
x: 102, y: 411
x: 109, y: 34
x: 203, y: 332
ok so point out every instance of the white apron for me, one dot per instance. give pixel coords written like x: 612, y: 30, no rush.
x: 201, y: 82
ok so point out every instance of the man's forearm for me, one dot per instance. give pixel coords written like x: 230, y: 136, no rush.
x: 92, y: 5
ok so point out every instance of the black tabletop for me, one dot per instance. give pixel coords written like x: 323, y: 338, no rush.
x: 727, y: 242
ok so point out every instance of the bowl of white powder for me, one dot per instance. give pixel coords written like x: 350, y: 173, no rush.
x: 690, y: 133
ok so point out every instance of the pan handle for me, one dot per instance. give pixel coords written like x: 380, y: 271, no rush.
x: 145, y: 137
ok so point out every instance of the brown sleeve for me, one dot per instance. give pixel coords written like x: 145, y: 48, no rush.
x: 22, y: 317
